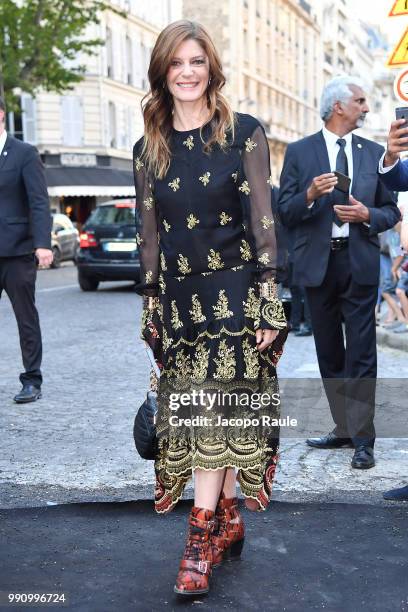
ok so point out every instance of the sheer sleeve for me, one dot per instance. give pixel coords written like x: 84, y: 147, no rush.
x: 257, y: 189
x: 146, y: 225
x: 256, y: 167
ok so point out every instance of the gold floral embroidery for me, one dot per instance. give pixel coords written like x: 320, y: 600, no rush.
x: 235, y: 268
x: 200, y: 363
x: 250, y: 145
x: 214, y: 260
x: 245, y: 188
x: 225, y: 362
x: 264, y: 259
x: 149, y: 276
x: 189, y: 142
x: 139, y: 240
x: 234, y: 176
x: 206, y: 273
x: 175, y: 317
x: 252, y: 305
x: 224, y: 218
x: 266, y: 222
x: 162, y: 284
x: 163, y: 262
x: 166, y: 340
x: 245, y: 250
x: 183, y: 365
x: 221, y: 310
x: 148, y: 202
x: 175, y: 184
x: 167, y: 225
x: 196, y: 312
x: 252, y: 365
x: 180, y: 278
x: 274, y: 314
x: 138, y: 164
x: 269, y: 180
x: 205, y: 179
x: 192, y: 221
x: 183, y: 265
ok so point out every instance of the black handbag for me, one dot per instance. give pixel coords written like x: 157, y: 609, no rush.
x: 144, y: 428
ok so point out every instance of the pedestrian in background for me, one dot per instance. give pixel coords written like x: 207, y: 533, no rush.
x: 336, y: 257
x: 208, y: 263
x: 393, y: 173
x: 25, y: 240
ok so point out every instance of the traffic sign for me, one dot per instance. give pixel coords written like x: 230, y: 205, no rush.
x: 399, y: 56
x: 401, y: 86
x: 400, y: 8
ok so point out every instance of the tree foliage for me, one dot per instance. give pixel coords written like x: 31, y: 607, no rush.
x: 40, y: 41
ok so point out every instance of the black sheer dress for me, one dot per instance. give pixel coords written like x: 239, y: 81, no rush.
x: 206, y: 239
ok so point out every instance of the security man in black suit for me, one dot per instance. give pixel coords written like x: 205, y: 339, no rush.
x: 25, y: 240
x: 336, y: 257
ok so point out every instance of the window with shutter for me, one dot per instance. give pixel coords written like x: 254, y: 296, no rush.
x: 72, y: 121
x: 28, y: 113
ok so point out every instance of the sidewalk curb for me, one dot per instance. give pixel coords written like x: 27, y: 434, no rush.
x: 396, y: 341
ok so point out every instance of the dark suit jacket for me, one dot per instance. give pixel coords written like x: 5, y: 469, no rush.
x: 397, y: 178
x: 25, y: 220
x: 308, y: 158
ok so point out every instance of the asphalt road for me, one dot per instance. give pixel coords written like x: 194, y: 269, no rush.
x: 327, y: 541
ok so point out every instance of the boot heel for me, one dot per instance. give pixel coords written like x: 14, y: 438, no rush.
x: 236, y: 549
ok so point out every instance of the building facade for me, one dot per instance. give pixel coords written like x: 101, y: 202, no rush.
x: 86, y: 136
x: 272, y: 58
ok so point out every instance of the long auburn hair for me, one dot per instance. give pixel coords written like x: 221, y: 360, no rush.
x: 157, y: 104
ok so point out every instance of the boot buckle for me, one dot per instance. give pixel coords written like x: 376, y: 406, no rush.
x: 203, y: 567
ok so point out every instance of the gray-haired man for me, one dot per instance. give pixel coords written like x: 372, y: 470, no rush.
x: 336, y: 257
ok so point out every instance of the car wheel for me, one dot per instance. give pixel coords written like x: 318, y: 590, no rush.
x: 57, y: 257
x: 87, y: 283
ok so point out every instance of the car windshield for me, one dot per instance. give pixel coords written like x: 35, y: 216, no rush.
x: 108, y: 215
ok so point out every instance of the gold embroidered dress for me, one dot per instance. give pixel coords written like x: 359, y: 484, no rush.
x: 206, y: 238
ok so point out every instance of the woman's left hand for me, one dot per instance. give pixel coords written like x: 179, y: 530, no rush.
x: 265, y: 337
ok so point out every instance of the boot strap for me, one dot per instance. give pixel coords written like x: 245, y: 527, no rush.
x: 203, y: 567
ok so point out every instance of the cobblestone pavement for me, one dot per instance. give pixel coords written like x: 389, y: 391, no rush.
x: 76, y: 442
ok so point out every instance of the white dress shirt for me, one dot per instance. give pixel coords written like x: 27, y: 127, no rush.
x: 332, y: 150
x: 3, y: 139
x: 384, y: 169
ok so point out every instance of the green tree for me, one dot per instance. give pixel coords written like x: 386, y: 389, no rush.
x: 40, y: 40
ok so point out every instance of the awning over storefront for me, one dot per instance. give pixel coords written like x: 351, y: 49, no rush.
x: 99, y: 181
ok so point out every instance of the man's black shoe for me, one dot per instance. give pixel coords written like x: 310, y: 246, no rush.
x: 28, y: 393
x: 304, y: 330
x: 330, y: 441
x: 363, y: 458
x: 400, y: 494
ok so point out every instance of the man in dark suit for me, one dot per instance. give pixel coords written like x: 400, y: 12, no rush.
x: 25, y: 239
x: 336, y: 257
x: 394, y: 174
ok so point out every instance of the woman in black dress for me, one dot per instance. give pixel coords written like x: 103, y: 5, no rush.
x: 208, y: 258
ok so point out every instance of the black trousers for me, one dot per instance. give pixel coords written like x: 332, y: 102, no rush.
x: 17, y: 278
x: 348, y: 370
x: 299, y: 306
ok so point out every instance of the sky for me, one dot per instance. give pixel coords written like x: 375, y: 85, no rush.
x: 376, y: 12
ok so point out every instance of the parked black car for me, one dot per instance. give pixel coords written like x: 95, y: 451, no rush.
x: 64, y: 239
x: 108, y: 250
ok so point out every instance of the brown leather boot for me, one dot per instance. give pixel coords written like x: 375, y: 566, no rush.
x: 228, y: 536
x: 196, y: 564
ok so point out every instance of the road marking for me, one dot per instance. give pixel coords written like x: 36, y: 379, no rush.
x: 57, y: 288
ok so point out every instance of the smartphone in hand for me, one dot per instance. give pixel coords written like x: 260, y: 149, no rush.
x: 343, y: 182
x: 402, y: 113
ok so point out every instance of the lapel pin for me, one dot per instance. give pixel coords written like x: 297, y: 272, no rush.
x: 359, y: 146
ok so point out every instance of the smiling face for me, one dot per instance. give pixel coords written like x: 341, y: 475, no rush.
x: 188, y: 73
x: 355, y: 109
